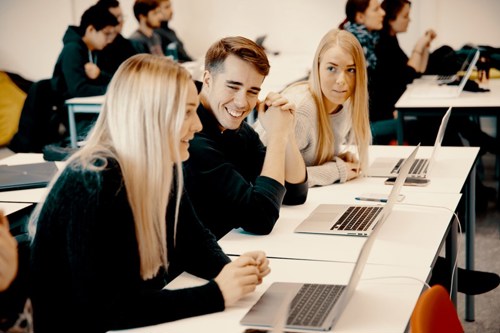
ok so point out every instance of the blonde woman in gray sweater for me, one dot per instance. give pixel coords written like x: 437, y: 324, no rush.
x: 332, y: 111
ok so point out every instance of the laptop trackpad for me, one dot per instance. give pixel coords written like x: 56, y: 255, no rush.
x: 272, y: 306
x: 322, y: 218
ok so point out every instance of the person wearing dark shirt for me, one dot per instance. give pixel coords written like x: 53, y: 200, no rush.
x: 116, y: 224
x: 233, y: 180
x: 77, y: 72
x: 149, y: 16
x: 121, y: 48
x: 394, y: 70
x: 168, y: 35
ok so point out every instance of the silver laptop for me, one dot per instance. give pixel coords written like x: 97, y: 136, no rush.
x: 432, y: 89
x: 422, y: 167
x: 309, y: 307
x: 355, y: 220
x: 26, y: 176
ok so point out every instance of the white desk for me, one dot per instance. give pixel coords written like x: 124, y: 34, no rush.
x: 454, y: 172
x: 411, y: 236
x: 379, y: 305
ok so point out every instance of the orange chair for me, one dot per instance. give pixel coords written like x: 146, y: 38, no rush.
x: 435, y: 312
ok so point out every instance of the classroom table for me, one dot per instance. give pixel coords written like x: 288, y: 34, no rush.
x: 383, y: 301
x: 467, y: 104
x: 454, y: 172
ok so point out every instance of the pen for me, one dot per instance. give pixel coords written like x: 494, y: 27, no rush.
x: 371, y: 199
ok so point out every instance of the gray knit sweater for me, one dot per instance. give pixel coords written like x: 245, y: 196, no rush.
x: 306, y: 134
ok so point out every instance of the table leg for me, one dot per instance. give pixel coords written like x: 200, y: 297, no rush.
x: 72, y: 126
x: 400, y: 133
x: 451, y: 257
x: 470, y: 233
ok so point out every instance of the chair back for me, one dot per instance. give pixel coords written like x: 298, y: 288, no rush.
x: 435, y: 312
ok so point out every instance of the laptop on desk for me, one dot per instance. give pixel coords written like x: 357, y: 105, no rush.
x: 26, y: 176
x: 310, y: 306
x: 421, y: 167
x: 354, y: 220
x: 432, y: 89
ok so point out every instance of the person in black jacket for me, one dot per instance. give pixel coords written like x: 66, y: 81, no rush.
x: 232, y: 178
x: 121, y: 48
x: 168, y: 35
x: 116, y: 225
x: 77, y: 72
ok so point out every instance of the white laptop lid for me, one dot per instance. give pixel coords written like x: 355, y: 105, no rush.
x: 383, y: 166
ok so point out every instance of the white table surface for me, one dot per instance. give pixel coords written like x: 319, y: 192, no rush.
x: 383, y: 304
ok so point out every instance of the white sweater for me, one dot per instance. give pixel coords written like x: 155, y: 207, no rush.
x: 306, y: 134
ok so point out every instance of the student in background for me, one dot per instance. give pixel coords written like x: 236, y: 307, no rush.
x: 168, y: 35
x: 233, y: 180
x: 364, y: 19
x: 116, y: 224
x: 121, y: 48
x: 149, y: 16
x: 394, y: 70
x: 77, y: 72
x: 332, y: 110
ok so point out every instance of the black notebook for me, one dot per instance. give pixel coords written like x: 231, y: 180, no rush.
x: 26, y: 176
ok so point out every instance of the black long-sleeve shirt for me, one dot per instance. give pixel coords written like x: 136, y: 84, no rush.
x: 86, y: 267
x: 223, y: 180
x: 388, y: 81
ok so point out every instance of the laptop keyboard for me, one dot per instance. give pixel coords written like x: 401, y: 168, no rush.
x: 312, y: 304
x: 418, y: 168
x: 357, y: 218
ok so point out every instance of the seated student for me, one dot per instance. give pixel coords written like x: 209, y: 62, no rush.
x: 116, y: 224
x: 168, y: 35
x: 394, y: 70
x: 121, y: 48
x: 233, y: 180
x: 149, y: 16
x: 332, y: 110
x: 77, y: 72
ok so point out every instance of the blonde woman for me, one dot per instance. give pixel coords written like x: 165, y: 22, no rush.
x: 332, y: 111
x: 115, y: 226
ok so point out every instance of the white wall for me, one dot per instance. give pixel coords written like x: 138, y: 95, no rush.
x: 31, y: 30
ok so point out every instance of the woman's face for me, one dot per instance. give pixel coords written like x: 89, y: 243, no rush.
x: 400, y: 24
x: 373, y: 17
x: 337, y: 76
x: 192, y: 123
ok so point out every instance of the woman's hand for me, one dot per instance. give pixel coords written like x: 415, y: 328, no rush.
x: 241, y: 277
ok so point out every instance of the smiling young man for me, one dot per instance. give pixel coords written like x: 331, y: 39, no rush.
x: 233, y: 180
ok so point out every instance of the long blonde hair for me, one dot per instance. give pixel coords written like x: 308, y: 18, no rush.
x: 139, y: 126
x: 359, y: 98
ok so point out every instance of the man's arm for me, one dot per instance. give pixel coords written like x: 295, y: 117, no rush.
x: 283, y: 161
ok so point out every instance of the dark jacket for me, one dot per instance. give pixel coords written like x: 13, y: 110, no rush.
x: 223, y: 180
x: 85, y: 260
x: 169, y: 36
x: 112, y: 56
x: 69, y: 79
x: 388, y: 81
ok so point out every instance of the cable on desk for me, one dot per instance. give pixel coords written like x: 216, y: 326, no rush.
x: 457, y: 220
